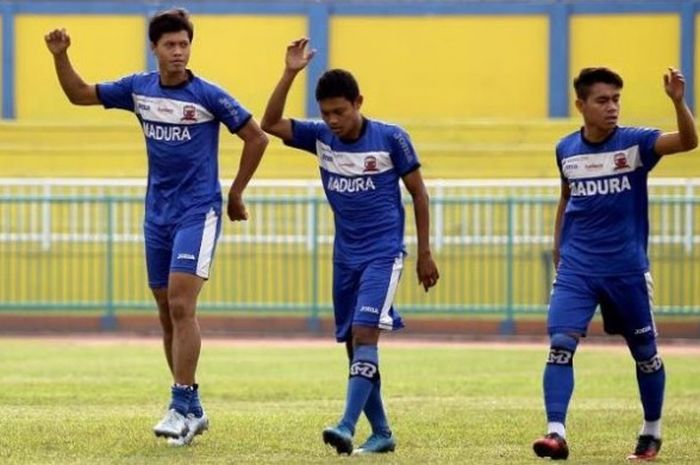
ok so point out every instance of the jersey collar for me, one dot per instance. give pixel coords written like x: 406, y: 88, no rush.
x: 190, y: 77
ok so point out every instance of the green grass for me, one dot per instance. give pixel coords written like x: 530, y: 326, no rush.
x: 84, y: 403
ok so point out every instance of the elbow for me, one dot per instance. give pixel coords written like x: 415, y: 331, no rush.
x: 265, y: 125
x: 74, y: 99
x: 693, y: 143
x: 264, y: 140
x: 261, y: 141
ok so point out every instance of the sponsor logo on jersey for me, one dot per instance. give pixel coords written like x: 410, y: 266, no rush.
x: 186, y: 256
x: 189, y: 113
x: 166, y: 133
x: 621, y: 161
x: 170, y: 111
x: 600, y: 165
x: 603, y: 186
x: 350, y: 185
x: 370, y: 164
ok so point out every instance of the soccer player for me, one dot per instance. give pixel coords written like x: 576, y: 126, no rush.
x: 179, y: 114
x: 361, y: 161
x: 600, y: 248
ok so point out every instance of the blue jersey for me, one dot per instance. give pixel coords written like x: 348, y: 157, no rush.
x: 361, y: 181
x: 606, y: 227
x: 181, y: 127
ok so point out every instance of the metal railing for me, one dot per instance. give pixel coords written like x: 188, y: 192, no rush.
x: 78, y: 245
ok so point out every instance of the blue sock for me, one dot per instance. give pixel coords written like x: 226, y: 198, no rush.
x: 651, y: 377
x: 181, y: 397
x: 374, y: 409
x: 558, y: 380
x: 195, y: 404
x: 363, y: 374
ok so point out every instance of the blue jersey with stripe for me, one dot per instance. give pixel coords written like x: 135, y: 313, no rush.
x: 181, y: 127
x: 361, y: 181
x: 606, y: 226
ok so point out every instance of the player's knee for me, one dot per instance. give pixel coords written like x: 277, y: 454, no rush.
x: 180, y: 309
x: 562, y: 349
x: 646, y: 356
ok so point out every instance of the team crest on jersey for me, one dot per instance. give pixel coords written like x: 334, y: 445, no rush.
x: 620, y: 159
x: 189, y: 113
x: 370, y: 164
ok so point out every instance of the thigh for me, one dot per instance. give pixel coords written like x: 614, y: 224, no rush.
x: 375, y: 296
x: 572, y: 304
x: 194, y: 245
x: 158, y: 245
x: 627, y: 306
x: 346, y: 281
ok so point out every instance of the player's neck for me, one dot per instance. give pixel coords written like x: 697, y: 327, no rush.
x: 596, y: 135
x: 356, y: 132
x: 174, y: 79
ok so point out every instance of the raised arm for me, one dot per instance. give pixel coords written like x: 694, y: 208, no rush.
x: 686, y: 138
x: 426, y: 268
x: 254, y: 144
x: 561, y: 208
x: 296, y: 59
x: 77, y: 91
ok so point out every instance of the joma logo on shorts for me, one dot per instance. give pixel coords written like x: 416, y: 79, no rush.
x: 368, y: 309
x: 186, y: 256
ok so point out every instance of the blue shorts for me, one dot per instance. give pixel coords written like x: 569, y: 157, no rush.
x: 364, y: 295
x: 187, y: 247
x: 626, y: 304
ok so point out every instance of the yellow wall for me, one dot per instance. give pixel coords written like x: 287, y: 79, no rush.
x: 697, y: 63
x: 102, y: 48
x: 445, y: 67
x: 245, y: 55
x: 639, y: 47
x: 1, y: 83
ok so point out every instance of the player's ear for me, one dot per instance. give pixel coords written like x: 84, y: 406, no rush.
x: 579, y: 105
x: 358, y: 102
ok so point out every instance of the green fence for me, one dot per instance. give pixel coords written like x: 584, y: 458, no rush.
x: 78, y: 249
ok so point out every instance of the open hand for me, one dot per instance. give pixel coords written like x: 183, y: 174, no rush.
x: 674, y: 84
x: 57, y: 41
x: 298, y: 55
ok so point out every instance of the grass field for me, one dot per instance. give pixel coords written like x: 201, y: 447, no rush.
x: 92, y: 401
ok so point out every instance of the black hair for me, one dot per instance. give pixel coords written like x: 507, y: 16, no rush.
x: 172, y: 20
x: 590, y: 76
x: 337, y: 83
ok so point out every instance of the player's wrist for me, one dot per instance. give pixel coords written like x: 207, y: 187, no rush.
x: 424, y: 253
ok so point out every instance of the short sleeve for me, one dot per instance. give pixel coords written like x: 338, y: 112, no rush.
x: 227, y: 109
x: 117, y: 94
x: 647, y: 138
x: 403, y: 155
x: 557, y: 154
x: 305, y: 133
